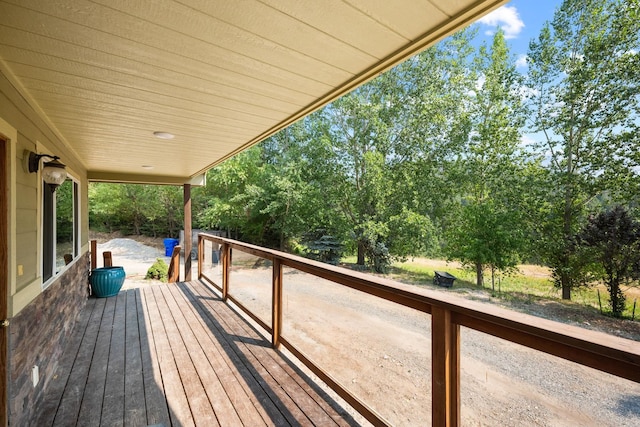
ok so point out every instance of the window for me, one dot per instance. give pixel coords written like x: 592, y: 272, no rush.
x: 60, y: 228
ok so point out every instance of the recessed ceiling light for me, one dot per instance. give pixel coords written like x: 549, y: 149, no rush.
x: 163, y: 135
x: 147, y: 167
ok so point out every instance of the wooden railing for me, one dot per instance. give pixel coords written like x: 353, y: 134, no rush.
x: 174, y: 265
x: 603, y: 352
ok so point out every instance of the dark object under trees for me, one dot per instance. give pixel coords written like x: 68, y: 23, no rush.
x: 442, y: 278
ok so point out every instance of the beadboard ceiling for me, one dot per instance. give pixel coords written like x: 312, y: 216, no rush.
x: 221, y: 75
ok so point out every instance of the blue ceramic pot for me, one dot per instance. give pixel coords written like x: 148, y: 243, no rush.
x: 106, y: 281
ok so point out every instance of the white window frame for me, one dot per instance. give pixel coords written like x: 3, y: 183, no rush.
x: 49, y: 270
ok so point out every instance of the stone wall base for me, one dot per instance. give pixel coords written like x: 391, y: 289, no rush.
x: 37, y: 337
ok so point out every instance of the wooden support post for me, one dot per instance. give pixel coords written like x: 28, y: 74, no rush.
x: 94, y: 254
x: 276, y: 304
x: 445, y: 360
x: 107, y: 260
x: 200, y: 255
x: 5, y: 284
x: 188, y: 239
x: 174, y: 265
x: 226, y: 267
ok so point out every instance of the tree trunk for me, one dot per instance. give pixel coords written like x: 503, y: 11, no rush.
x: 566, y: 287
x: 479, y: 274
x: 493, y: 278
x: 360, y: 253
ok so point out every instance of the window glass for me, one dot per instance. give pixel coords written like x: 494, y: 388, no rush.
x: 60, y: 227
x: 65, y: 230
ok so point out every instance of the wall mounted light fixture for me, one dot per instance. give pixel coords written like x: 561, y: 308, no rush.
x: 53, y: 171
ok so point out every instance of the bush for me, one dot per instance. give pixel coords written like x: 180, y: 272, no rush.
x: 159, y: 271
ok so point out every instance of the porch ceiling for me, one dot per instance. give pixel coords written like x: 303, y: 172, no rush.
x: 220, y: 75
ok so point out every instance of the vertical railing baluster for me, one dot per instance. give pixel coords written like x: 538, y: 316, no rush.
x: 445, y: 362
x: 226, y: 267
x: 174, y: 265
x: 200, y: 255
x: 94, y: 254
x: 276, y: 304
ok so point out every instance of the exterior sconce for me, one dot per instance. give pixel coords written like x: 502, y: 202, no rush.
x: 53, y: 172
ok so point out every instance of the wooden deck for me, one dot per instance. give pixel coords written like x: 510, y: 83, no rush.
x: 176, y: 355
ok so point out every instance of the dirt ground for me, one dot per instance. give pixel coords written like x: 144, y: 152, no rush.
x: 381, y: 352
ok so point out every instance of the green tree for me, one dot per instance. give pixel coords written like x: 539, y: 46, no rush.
x: 611, y: 240
x: 104, y: 206
x: 432, y: 127
x: 358, y: 133
x: 489, y: 230
x: 225, y: 206
x: 584, y: 80
x: 484, y: 236
x: 135, y: 209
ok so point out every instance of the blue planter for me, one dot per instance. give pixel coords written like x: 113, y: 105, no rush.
x: 106, y: 281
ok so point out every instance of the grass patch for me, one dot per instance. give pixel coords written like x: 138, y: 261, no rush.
x: 530, y: 284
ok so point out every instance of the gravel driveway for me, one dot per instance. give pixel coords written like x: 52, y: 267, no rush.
x: 382, y: 353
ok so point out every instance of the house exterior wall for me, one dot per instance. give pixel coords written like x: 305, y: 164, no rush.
x: 25, y: 248
x: 41, y: 313
x: 38, y: 336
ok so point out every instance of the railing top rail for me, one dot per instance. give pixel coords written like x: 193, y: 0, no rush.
x: 618, y: 356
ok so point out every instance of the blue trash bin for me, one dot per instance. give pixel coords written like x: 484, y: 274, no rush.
x: 169, y: 244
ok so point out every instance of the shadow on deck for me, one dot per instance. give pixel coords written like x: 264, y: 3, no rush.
x: 176, y: 355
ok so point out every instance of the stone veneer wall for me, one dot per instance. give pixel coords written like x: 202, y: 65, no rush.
x: 38, y: 335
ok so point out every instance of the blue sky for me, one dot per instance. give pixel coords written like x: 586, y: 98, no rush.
x: 521, y: 21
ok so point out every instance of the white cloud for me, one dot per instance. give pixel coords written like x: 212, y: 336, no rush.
x: 521, y: 61
x: 505, y: 17
x: 527, y: 140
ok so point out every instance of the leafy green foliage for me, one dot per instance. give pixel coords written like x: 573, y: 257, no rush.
x: 584, y: 79
x: 487, y: 229
x: 64, y: 212
x: 136, y: 209
x: 158, y: 271
x: 611, y: 241
x: 486, y: 235
x: 430, y: 158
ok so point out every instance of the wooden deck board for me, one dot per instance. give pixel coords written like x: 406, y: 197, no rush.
x: 179, y: 411
x: 246, y: 395
x: 72, y: 353
x: 199, y: 404
x: 212, y: 387
x: 257, y: 393
x: 134, y: 397
x: 155, y: 400
x: 294, y: 402
x: 69, y: 407
x: 176, y: 355
x: 113, y: 400
x: 313, y: 403
x: 91, y: 406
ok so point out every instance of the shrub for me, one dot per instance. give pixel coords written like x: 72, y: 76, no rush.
x: 159, y: 271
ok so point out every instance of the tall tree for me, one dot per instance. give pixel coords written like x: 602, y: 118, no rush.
x: 584, y: 80
x: 433, y: 126
x: 361, y: 144
x: 488, y: 231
